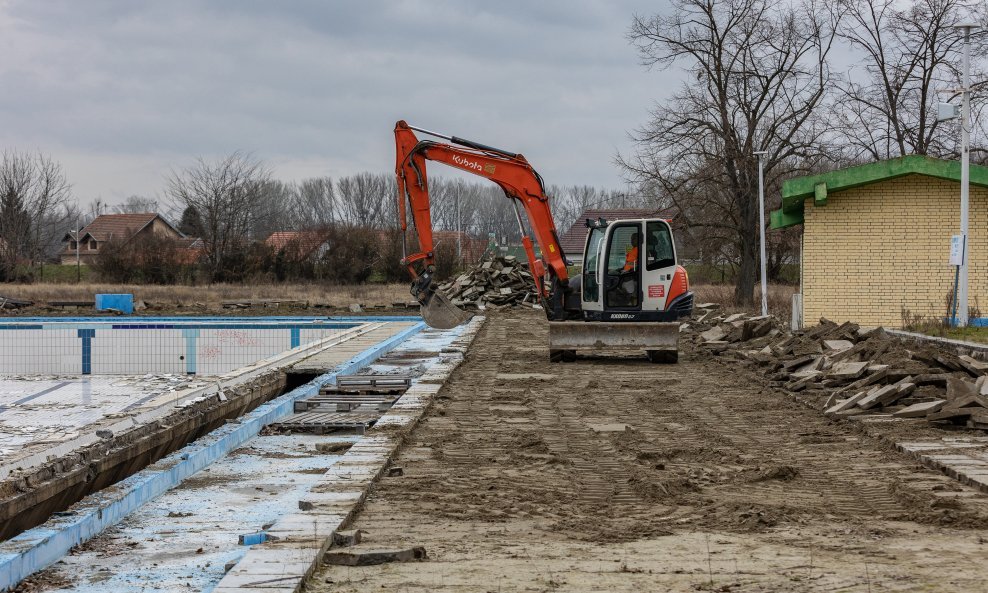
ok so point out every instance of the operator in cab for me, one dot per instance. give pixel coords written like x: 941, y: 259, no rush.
x: 631, y: 254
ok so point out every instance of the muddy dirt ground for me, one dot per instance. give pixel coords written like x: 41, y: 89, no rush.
x: 620, y: 475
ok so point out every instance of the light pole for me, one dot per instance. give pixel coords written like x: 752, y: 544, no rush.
x: 961, y: 297
x: 459, y: 231
x: 78, y: 259
x: 761, y: 227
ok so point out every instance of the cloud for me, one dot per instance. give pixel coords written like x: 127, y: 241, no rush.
x: 121, y: 92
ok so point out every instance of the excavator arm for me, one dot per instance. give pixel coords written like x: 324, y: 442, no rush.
x: 520, y: 183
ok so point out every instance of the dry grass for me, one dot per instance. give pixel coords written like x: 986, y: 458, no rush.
x: 211, y: 296
x: 214, y: 294
x: 779, y: 298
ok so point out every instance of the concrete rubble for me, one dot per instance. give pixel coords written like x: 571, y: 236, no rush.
x: 493, y: 283
x: 859, y: 371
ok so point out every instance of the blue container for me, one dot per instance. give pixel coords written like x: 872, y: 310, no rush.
x: 121, y: 302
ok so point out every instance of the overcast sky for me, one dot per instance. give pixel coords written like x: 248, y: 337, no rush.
x: 121, y: 92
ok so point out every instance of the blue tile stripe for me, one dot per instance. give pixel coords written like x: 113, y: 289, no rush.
x: 42, y: 546
x: 229, y: 326
x: 296, y: 336
x: 212, y: 319
x: 87, y: 336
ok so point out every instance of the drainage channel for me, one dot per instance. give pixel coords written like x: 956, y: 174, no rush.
x: 233, y: 479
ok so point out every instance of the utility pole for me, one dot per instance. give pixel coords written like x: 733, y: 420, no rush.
x: 961, y: 297
x: 78, y: 262
x: 761, y: 228
x: 459, y: 231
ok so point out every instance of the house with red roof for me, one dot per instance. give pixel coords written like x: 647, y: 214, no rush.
x: 300, y: 245
x: 116, y: 228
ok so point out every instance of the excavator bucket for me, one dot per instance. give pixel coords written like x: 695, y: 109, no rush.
x: 438, y: 312
x: 660, y: 341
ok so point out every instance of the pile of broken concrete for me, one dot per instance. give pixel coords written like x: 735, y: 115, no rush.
x: 494, y: 283
x: 859, y: 371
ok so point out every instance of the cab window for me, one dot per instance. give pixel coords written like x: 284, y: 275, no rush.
x: 591, y: 284
x: 659, y: 251
x: 623, y: 255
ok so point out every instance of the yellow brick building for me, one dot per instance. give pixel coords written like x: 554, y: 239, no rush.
x: 876, y: 240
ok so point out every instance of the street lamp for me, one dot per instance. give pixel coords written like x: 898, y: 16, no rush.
x: 947, y: 111
x: 761, y: 227
x: 961, y: 296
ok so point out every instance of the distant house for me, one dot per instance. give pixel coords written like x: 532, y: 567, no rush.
x: 299, y: 245
x: 189, y: 250
x: 115, y: 228
x: 574, y: 239
x: 471, y: 249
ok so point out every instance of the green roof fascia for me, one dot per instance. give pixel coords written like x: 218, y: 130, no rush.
x: 781, y: 219
x: 794, y: 191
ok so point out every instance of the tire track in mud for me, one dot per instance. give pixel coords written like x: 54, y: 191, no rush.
x: 512, y: 436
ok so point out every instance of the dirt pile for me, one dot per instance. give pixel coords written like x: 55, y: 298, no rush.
x: 862, y: 371
x: 493, y: 283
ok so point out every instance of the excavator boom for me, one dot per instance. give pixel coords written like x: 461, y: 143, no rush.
x: 520, y: 183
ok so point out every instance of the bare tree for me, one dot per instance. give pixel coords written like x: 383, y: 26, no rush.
x: 137, y: 205
x: 367, y: 199
x: 314, y: 204
x: 226, y: 195
x: 908, y: 52
x: 95, y: 209
x: 274, y: 209
x: 757, y: 74
x: 33, y: 197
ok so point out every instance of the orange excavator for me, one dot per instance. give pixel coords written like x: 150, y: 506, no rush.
x: 630, y: 294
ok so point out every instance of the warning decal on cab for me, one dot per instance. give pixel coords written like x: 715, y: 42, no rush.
x: 656, y: 291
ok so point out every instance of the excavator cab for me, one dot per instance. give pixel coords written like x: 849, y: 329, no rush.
x: 630, y: 273
x: 631, y: 288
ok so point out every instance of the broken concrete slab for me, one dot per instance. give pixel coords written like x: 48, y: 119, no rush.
x: 958, y: 388
x: 848, y: 370
x: 374, y: 557
x: 525, y: 376
x: 875, y: 397
x: 921, y: 409
x: 846, y: 404
x: 347, y: 538
x: 714, y: 334
x: 838, y: 345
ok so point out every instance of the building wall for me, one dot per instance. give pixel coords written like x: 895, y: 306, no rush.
x: 162, y: 229
x: 876, y: 251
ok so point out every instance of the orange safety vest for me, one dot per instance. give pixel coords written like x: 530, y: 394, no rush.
x: 630, y: 259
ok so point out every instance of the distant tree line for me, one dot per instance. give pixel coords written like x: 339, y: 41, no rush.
x: 232, y: 204
x: 758, y: 76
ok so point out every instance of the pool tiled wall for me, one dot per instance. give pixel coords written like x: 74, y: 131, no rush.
x: 203, y: 347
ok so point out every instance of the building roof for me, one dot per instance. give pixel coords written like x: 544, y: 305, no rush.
x: 118, y: 226
x: 796, y: 190
x: 574, y: 239
x: 305, y: 242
